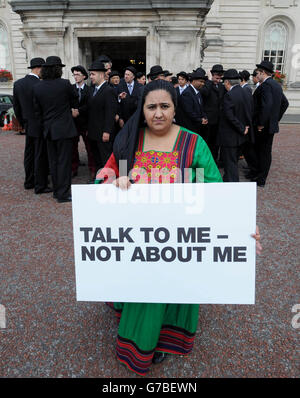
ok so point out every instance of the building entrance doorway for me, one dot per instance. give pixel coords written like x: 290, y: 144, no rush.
x: 122, y: 51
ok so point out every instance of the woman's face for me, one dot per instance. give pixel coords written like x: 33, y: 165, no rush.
x: 142, y: 80
x: 159, y: 111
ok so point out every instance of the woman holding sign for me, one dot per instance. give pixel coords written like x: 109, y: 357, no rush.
x: 156, y: 153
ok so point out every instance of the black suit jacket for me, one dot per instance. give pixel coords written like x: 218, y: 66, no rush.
x: 270, y: 105
x: 236, y: 115
x: 189, y: 112
x: 81, y: 121
x: 129, y: 105
x: 102, y: 109
x: 213, y: 98
x: 53, y: 100
x: 24, y: 107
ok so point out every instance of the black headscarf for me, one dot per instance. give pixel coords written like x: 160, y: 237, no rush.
x: 126, y: 142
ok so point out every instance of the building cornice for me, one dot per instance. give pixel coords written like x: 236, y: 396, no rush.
x: 34, y: 5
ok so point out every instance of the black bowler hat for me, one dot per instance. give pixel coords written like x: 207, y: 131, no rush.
x: 53, y: 60
x: 155, y: 71
x: 254, y: 73
x: 36, y: 62
x: 167, y: 73
x: 201, y: 71
x: 245, y: 75
x: 97, y: 66
x: 266, y: 65
x: 114, y: 73
x: 104, y: 58
x: 231, y: 74
x: 81, y: 69
x: 183, y: 74
x: 217, y: 69
x: 131, y: 69
x: 199, y: 74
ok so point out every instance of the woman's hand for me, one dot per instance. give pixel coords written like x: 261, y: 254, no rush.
x: 122, y: 182
x: 256, y: 236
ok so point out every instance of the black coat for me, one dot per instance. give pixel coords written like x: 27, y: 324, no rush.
x: 53, y: 100
x: 213, y: 98
x: 270, y: 105
x: 248, y: 88
x: 81, y: 121
x: 237, y: 113
x: 129, y: 104
x: 189, y: 112
x: 102, y: 109
x: 23, y: 105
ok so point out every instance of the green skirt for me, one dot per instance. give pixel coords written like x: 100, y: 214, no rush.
x: 146, y: 328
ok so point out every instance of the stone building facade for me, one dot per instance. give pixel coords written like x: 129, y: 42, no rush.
x: 178, y: 35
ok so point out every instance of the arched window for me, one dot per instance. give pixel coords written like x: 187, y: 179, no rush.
x: 275, y: 45
x: 4, y: 49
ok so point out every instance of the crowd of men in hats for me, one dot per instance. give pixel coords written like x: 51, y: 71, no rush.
x: 232, y: 118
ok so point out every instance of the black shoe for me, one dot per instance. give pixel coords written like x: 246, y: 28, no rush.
x: 28, y: 186
x: 69, y: 199
x: 46, y: 190
x: 159, y: 357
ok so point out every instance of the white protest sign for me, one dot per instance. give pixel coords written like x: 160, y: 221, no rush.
x: 165, y: 243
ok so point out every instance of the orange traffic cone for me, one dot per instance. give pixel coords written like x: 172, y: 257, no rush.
x: 5, y: 127
x: 10, y: 126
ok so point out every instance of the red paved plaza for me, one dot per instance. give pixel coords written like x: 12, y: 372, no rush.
x: 49, y: 334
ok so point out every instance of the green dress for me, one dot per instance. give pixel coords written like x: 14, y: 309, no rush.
x: 170, y: 328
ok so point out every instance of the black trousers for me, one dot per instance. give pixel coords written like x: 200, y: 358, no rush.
x: 249, y: 152
x: 264, y: 142
x: 230, y: 157
x: 101, y: 152
x: 60, y: 159
x: 212, y: 131
x: 36, y: 163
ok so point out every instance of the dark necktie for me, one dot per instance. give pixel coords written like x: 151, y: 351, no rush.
x: 95, y: 91
x: 79, y: 94
x: 199, y: 97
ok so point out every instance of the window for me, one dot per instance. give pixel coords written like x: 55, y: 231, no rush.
x: 275, y: 45
x: 5, y: 100
x: 4, y: 49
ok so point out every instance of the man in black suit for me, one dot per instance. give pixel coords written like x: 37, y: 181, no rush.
x: 81, y: 119
x: 129, y: 91
x: 35, y: 154
x: 102, y: 109
x: 54, y: 98
x: 190, y: 111
x: 212, y: 94
x: 235, y: 124
x: 245, y: 76
x: 182, y: 81
x: 248, y: 149
x: 270, y: 105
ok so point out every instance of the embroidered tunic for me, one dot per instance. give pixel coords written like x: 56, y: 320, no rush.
x: 148, y: 327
